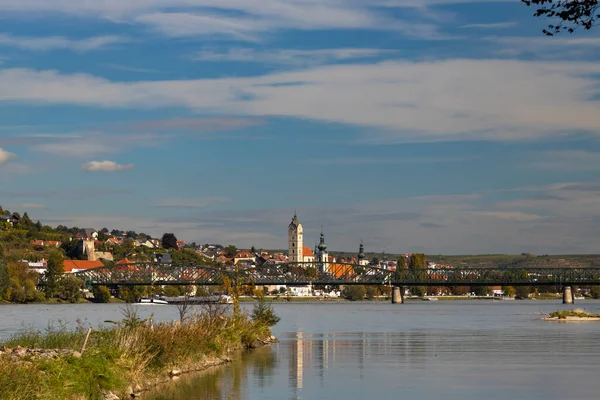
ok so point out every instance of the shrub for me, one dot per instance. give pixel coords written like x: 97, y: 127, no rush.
x: 354, y: 292
x: 101, y: 294
x: 264, y: 314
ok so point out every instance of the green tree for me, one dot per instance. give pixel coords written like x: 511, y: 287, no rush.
x: 4, y: 277
x: 131, y: 294
x: 418, y: 262
x: 101, y: 294
x: 418, y: 291
x: 53, y: 273
x: 402, y: 263
x: 522, y: 292
x: 509, y: 291
x: 482, y: 290
x: 354, y: 292
x: 371, y: 292
x: 230, y: 251
x: 169, y: 241
x: 570, y: 14
x: 69, y: 288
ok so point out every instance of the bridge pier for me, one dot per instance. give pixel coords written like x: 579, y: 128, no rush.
x: 568, y: 295
x: 397, y: 295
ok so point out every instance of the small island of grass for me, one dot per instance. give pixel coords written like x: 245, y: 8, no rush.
x: 576, y: 314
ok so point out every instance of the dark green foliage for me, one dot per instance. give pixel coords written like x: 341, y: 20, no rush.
x: 169, y: 241
x: 69, y: 288
x: 419, y: 291
x: 4, y: 277
x: 354, y: 292
x: 101, y: 294
x: 522, y: 292
x: 570, y: 14
x: 53, y: 273
x: 417, y: 261
x: 402, y: 263
x: 131, y: 294
x: 371, y: 292
x: 230, y: 251
x: 482, y: 290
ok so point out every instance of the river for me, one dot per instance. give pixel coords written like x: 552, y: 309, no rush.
x: 376, y: 350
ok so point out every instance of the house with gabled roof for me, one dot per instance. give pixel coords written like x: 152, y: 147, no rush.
x: 72, y: 266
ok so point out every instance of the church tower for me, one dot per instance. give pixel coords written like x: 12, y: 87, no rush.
x: 322, y: 256
x: 362, y: 259
x: 295, y: 241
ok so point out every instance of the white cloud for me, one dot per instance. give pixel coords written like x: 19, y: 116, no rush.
x: 494, y: 25
x: 6, y: 156
x: 59, y: 42
x: 290, y: 56
x: 75, y: 148
x: 105, y: 166
x: 545, y: 47
x: 238, y: 19
x: 438, y: 100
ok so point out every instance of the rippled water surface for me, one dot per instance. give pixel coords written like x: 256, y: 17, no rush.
x: 376, y: 350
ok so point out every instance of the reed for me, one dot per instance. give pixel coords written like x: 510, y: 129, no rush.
x: 125, y: 353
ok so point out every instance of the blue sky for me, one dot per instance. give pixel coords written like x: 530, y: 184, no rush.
x: 441, y: 126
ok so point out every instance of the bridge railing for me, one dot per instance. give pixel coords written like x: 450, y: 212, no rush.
x: 333, y: 274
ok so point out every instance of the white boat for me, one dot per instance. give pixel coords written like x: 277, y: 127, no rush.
x: 149, y: 301
x: 429, y: 299
x: 579, y: 298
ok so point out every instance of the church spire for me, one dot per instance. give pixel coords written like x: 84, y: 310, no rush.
x: 322, y: 244
x: 361, y: 251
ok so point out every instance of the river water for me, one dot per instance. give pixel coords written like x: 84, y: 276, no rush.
x: 376, y: 350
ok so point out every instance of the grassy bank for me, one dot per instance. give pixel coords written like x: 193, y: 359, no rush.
x: 131, y: 353
x: 574, y: 313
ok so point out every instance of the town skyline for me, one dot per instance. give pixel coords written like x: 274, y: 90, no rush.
x: 438, y: 126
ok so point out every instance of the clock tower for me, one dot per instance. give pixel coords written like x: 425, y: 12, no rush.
x: 295, y: 240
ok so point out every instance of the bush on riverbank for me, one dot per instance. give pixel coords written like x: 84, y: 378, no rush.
x: 131, y: 352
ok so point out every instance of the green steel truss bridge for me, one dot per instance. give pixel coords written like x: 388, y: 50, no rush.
x: 335, y: 274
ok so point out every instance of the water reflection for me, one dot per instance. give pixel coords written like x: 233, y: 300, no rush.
x: 229, y: 381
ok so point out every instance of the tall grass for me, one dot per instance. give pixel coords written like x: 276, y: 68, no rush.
x: 130, y: 351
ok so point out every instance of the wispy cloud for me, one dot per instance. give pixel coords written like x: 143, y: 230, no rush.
x: 417, y: 101
x: 6, y: 156
x: 236, y: 19
x: 28, y: 206
x: 90, y: 144
x: 383, y: 160
x: 565, y: 160
x: 544, y: 47
x: 510, y: 215
x: 494, y: 25
x: 207, y: 124
x: 290, y: 56
x: 105, y: 166
x: 127, y: 68
x: 59, y: 42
